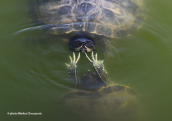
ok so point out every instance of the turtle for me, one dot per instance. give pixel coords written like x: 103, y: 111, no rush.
x: 94, y: 97
x: 88, y: 21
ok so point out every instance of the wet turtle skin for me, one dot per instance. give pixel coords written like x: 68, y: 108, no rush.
x: 94, y: 97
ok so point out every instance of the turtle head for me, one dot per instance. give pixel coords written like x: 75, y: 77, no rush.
x: 81, y: 44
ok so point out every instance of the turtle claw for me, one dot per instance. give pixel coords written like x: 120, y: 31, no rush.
x: 88, y: 58
x: 73, y: 56
x: 96, y: 56
x: 74, y: 60
x: 77, y: 58
x: 92, y: 54
x: 70, y: 58
x: 93, y: 58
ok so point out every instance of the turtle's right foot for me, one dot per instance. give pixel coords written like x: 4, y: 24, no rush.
x: 73, y: 62
x: 97, y: 64
x: 99, y: 67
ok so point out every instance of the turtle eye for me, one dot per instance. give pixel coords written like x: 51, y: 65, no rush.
x: 89, y: 42
x: 77, y: 43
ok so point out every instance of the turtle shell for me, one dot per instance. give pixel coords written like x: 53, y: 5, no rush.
x: 113, y: 102
x: 111, y: 18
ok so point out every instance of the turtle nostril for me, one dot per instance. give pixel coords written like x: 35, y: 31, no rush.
x: 84, y: 43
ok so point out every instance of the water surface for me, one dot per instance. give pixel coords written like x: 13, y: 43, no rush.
x: 34, y: 75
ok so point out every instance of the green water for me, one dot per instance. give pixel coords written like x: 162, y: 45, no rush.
x: 34, y: 76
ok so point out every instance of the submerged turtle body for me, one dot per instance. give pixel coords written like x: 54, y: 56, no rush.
x: 111, y: 18
x: 88, y: 21
x: 111, y: 102
x: 96, y: 98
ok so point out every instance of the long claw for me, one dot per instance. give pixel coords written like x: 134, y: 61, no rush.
x: 67, y: 64
x: 70, y: 58
x: 73, y: 57
x: 96, y: 57
x: 88, y: 58
x: 92, y: 55
x: 78, y: 58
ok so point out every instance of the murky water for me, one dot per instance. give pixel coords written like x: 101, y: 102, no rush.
x: 34, y: 75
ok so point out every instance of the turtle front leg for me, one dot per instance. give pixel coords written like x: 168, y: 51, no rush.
x: 99, y: 68
x: 72, y: 70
